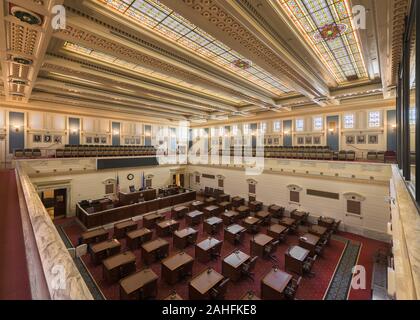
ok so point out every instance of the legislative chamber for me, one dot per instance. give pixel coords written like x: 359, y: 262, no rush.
x: 209, y: 150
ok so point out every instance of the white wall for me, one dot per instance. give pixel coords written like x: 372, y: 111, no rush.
x: 84, y: 186
x: 272, y: 188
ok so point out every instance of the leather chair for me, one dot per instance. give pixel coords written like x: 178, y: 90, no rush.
x: 248, y: 267
x: 219, y: 292
x: 291, y: 289
x: 269, y: 249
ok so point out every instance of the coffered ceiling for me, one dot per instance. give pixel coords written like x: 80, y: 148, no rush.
x: 198, y: 60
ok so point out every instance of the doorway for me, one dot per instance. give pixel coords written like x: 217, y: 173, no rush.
x: 178, y: 179
x: 55, y: 202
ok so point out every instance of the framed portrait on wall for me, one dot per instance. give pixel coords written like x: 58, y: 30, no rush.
x: 276, y: 141
x: 308, y: 140
x: 269, y: 141
x: 126, y: 141
x: 47, y: 138
x: 373, y: 139
x: 96, y: 140
x: 103, y: 140
x: 349, y: 139
x: 88, y: 139
x: 132, y: 141
x: 361, y: 139
x: 37, y: 138
x: 317, y: 140
x: 138, y: 141
x: 300, y: 140
x: 57, y: 139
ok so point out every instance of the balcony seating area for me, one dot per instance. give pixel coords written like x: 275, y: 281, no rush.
x: 27, y: 153
x: 79, y: 151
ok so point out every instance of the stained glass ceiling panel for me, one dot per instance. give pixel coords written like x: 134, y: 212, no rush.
x: 103, y: 57
x: 153, y: 15
x: 327, y: 25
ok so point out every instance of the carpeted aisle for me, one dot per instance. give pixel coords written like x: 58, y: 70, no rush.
x: 14, y: 278
x: 310, y: 288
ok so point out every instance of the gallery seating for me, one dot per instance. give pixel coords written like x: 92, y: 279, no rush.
x: 71, y: 151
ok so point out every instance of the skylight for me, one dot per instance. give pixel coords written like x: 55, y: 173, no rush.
x: 327, y: 25
x: 154, y: 15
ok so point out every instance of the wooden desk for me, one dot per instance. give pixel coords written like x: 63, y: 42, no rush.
x: 137, y: 237
x: 230, y: 217
x: 309, y: 242
x: 182, y: 238
x: 179, y: 212
x: 231, y: 232
x: 243, y: 211
x: 317, y: 230
x: 174, y: 296
x: 223, y: 198
x: 238, y: 201
x: 300, y: 216
x: 200, y: 286
x: 167, y: 227
x: 251, y: 224
x: 287, y: 222
x: 193, y: 218
x: 209, y: 201
x: 119, y: 266
x: 225, y: 205
x: 264, y: 216
x: 204, y: 248
x: 326, y: 222
x: 232, y: 265
x: 277, y: 231
x: 94, y: 236
x: 176, y: 267
x: 197, y: 205
x: 211, y: 224
x: 150, y: 220
x: 250, y: 296
x: 210, y: 211
x: 255, y: 206
x: 258, y: 243
x: 295, y: 259
x: 276, y: 211
x: 121, y: 229
x: 140, y: 285
x: 150, y: 251
x: 274, y: 283
x: 103, y: 250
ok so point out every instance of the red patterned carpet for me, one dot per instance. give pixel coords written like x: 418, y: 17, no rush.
x: 310, y: 288
x: 14, y: 278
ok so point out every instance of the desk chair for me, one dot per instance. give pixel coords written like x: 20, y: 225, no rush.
x: 132, y: 188
x: 327, y: 237
x: 319, y: 248
x: 238, y: 237
x: 214, y: 254
x: 219, y: 292
x: 269, y: 249
x: 307, y: 266
x: 290, y: 290
x: 192, y: 239
x: 248, y: 267
x: 184, y: 273
x: 336, y: 225
x: 160, y: 254
x: 214, y: 229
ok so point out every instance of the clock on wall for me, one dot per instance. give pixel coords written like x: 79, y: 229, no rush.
x: 130, y: 176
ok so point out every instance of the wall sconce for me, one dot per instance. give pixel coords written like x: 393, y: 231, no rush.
x: 331, y: 131
x: 73, y: 131
x: 394, y: 127
x: 17, y: 128
x: 286, y: 133
x: 115, y: 132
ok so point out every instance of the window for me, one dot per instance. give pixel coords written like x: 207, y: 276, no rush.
x: 318, y: 123
x: 263, y: 127
x: 349, y: 121
x: 412, y: 116
x: 277, y: 126
x: 299, y: 124
x: 235, y: 130
x: 221, y: 131
x: 374, y: 119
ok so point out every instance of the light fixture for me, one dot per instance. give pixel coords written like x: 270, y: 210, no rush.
x: 16, y: 127
x: 331, y: 131
x: 115, y: 132
x: 286, y: 133
x: 73, y: 131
